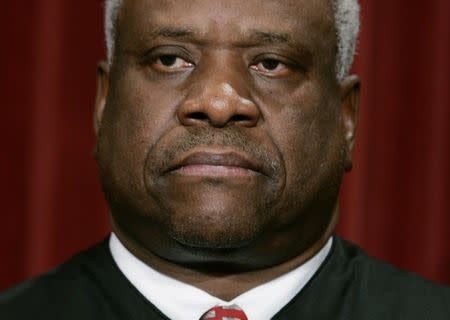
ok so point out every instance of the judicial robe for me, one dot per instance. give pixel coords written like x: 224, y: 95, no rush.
x: 348, y: 286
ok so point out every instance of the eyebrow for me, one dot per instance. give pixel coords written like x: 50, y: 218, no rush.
x: 250, y: 38
x: 269, y: 37
x: 173, y: 32
x: 259, y: 36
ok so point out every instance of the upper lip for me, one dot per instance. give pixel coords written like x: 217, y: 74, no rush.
x: 216, y: 158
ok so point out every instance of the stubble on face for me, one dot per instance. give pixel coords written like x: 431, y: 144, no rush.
x: 216, y: 223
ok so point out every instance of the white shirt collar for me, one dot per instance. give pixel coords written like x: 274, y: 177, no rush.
x: 181, y: 301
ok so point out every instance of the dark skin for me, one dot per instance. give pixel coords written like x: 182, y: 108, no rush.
x: 223, y: 136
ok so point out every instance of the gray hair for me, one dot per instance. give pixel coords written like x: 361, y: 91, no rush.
x: 346, y: 14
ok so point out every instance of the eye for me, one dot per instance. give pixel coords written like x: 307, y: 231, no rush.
x: 170, y: 63
x: 271, y: 67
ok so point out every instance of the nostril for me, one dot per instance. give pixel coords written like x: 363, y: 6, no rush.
x: 239, y: 118
x: 198, y: 116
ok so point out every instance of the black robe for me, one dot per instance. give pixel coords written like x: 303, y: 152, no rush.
x: 348, y: 286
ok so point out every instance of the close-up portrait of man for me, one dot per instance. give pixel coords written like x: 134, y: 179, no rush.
x: 223, y: 131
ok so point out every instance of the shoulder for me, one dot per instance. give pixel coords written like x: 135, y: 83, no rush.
x: 396, y: 290
x: 59, y: 293
x: 352, y: 285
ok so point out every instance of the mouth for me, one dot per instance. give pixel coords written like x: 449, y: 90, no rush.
x: 216, y: 164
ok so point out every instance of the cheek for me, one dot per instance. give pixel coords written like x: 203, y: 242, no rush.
x: 141, y: 111
x: 136, y: 117
x: 309, y: 136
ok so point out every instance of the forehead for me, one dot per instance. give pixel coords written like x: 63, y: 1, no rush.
x: 309, y: 20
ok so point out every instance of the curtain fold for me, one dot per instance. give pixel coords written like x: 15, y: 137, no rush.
x: 395, y: 203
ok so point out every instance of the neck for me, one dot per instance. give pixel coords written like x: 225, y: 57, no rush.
x: 222, y: 284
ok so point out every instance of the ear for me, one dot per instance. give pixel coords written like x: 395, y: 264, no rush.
x: 102, y: 94
x: 350, y: 94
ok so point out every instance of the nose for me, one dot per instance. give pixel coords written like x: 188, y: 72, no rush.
x: 215, y: 101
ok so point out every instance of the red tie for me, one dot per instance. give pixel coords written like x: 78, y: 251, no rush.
x: 224, y: 313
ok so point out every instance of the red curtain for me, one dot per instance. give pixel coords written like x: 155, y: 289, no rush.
x: 395, y: 203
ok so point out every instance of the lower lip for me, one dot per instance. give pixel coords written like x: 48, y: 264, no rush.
x: 215, y: 171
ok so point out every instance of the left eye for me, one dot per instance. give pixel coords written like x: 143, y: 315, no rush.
x: 271, y: 67
x: 169, y: 63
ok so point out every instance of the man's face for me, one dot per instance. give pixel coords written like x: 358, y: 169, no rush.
x: 224, y: 126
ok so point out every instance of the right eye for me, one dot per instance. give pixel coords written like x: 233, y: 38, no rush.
x: 170, y: 63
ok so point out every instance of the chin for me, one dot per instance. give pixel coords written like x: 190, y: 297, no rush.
x: 216, y: 227
x: 213, y: 239
x: 215, y: 214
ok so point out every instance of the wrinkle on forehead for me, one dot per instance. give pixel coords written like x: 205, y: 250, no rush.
x: 225, y: 11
